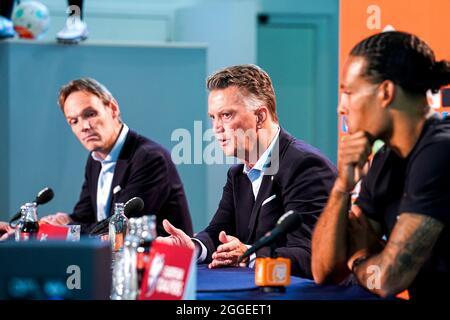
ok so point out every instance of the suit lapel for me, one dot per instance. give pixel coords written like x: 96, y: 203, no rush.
x: 119, y: 171
x: 95, y: 172
x: 244, y: 199
x: 267, y: 183
x: 121, y: 167
x: 263, y: 193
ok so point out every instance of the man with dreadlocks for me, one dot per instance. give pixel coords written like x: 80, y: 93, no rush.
x: 405, y: 196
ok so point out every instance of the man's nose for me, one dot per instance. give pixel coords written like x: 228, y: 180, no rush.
x: 342, y: 106
x: 86, y: 125
x: 218, y: 126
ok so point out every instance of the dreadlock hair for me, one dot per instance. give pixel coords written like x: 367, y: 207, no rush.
x: 404, y: 59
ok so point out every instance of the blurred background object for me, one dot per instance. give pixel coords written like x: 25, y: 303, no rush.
x: 31, y: 19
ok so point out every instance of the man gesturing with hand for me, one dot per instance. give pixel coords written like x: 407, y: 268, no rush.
x: 278, y: 173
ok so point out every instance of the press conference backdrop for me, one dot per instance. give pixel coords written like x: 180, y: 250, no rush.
x: 159, y: 88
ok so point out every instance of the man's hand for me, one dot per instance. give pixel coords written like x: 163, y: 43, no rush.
x: 353, y: 154
x: 362, y: 238
x: 228, y: 253
x: 177, y: 236
x: 58, y: 219
x: 5, y: 231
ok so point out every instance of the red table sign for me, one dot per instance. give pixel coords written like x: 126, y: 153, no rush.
x: 169, y: 273
x: 52, y: 232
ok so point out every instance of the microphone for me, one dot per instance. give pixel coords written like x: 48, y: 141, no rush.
x: 131, y: 207
x: 43, y: 196
x: 286, y: 223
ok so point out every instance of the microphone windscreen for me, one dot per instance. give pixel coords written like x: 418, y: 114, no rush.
x: 133, y: 206
x: 289, y: 221
x: 44, y: 196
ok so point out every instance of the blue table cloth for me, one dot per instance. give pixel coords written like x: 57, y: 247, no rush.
x: 239, y: 284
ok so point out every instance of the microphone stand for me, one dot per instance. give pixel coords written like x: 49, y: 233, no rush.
x: 273, y: 254
x: 273, y: 289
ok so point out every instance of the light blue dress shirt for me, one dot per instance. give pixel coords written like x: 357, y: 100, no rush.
x: 107, y: 173
x: 255, y: 174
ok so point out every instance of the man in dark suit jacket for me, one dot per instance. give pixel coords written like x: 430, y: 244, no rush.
x: 122, y: 164
x: 278, y: 174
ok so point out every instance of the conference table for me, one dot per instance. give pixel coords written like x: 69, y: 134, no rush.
x: 50, y: 260
x: 239, y: 284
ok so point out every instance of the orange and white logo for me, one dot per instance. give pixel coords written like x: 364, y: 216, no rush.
x: 272, y: 272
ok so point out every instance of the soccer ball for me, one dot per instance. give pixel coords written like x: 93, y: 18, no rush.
x: 6, y: 28
x: 31, y: 19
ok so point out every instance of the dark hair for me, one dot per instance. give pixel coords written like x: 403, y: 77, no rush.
x: 404, y: 59
x: 254, y: 81
x: 84, y: 84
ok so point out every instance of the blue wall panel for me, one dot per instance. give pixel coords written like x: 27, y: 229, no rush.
x: 4, y: 127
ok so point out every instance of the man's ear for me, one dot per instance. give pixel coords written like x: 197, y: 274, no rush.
x: 261, y: 115
x: 114, y: 107
x: 386, y: 93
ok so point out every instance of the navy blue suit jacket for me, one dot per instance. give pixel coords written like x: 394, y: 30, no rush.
x: 303, y: 182
x: 144, y: 169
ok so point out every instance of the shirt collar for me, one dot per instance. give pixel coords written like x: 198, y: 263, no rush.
x: 264, y: 160
x: 113, y: 155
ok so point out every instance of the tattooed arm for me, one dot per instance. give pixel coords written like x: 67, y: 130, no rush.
x: 407, y: 249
